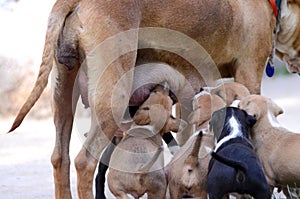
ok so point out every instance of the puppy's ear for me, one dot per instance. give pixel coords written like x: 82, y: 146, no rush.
x: 199, y: 116
x: 217, y: 122
x: 158, y: 116
x: 175, y: 125
x: 163, y: 87
x: 276, y: 110
x: 194, y: 116
x: 142, y: 116
x: 250, y: 120
x: 250, y: 107
x: 221, y: 93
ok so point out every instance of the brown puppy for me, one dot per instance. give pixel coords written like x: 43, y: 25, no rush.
x: 136, y: 165
x: 188, y: 168
x: 107, y: 39
x: 277, y: 147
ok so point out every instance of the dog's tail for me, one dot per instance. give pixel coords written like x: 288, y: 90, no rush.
x: 55, y: 24
x: 233, y: 163
x: 145, y: 168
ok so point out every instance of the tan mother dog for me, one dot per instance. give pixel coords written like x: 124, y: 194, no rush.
x: 137, y: 164
x: 277, y: 147
x: 102, y: 38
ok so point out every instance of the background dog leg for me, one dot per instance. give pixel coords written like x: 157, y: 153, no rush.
x: 102, y: 168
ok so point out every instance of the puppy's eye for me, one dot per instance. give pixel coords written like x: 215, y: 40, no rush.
x: 255, y: 116
x: 146, y: 108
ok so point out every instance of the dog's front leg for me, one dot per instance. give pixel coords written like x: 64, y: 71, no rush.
x: 252, y: 70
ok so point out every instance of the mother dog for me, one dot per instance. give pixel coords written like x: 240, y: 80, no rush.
x: 103, y: 37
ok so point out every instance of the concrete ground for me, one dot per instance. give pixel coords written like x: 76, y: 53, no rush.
x: 25, y: 168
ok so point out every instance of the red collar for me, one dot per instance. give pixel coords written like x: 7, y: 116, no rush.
x: 274, y: 6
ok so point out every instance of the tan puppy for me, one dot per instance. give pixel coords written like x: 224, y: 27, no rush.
x: 288, y: 39
x: 136, y: 165
x: 188, y: 168
x: 229, y: 91
x: 211, y: 99
x: 277, y: 147
x: 204, y: 105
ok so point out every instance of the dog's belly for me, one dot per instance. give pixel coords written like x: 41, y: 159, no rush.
x: 145, y: 78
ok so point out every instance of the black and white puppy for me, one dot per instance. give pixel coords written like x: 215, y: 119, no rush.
x: 234, y: 166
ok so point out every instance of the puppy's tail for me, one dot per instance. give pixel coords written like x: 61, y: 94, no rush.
x: 197, y: 145
x: 55, y: 24
x: 232, y: 163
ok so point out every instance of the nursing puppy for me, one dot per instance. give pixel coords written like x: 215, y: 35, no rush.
x: 140, y: 150
x: 229, y: 91
x: 234, y: 166
x: 277, y: 147
x: 210, y: 99
x: 189, y: 167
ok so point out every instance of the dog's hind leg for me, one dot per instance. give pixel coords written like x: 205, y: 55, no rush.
x: 65, y: 97
x: 63, y: 119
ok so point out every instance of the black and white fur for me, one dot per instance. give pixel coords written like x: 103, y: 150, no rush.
x: 234, y: 166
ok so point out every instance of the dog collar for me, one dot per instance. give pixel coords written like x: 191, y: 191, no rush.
x: 276, y: 5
